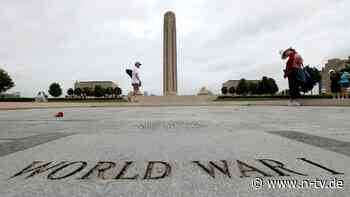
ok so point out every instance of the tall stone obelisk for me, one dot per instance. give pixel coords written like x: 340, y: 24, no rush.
x: 169, y: 55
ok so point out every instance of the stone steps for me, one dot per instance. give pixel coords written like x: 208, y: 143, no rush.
x: 192, y: 99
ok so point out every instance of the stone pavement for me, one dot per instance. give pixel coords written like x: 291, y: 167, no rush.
x: 175, y: 151
x: 170, y: 101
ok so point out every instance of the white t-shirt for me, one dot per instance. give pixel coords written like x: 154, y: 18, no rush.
x: 135, y: 71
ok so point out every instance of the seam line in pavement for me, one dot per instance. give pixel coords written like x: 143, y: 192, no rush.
x: 19, y: 144
x: 341, y: 147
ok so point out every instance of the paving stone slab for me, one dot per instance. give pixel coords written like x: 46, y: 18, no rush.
x: 174, y: 151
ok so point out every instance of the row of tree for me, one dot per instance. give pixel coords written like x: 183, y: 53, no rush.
x: 264, y: 86
x: 268, y: 85
x: 98, y: 91
x: 55, y: 90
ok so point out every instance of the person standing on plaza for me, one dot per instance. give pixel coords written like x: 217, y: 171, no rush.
x: 344, y: 84
x: 335, y: 86
x: 294, y: 62
x: 135, y: 82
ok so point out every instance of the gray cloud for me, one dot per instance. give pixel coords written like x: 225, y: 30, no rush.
x: 63, y: 41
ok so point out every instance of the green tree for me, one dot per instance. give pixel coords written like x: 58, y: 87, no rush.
x: 6, y: 82
x: 55, y: 90
x: 267, y: 86
x: 117, y: 91
x: 224, y: 90
x: 315, y: 77
x: 70, y: 92
x: 109, y: 91
x: 263, y: 85
x: 86, y: 92
x: 242, y: 87
x: 272, y: 86
x: 77, y: 91
x: 252, y: 88
x: 232, y: 90
x: 98, y: 91
x: 347, y: 69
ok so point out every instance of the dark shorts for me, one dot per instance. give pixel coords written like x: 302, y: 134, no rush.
x: 344, y: 85
x: 335, y: 87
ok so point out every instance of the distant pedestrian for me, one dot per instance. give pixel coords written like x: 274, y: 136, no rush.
x: 344, y: 84
x: 41, y: 97
x: 135, y: 82
x: 294, y: 62
x: 335, y: 85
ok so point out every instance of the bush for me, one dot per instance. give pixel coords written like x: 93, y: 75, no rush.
x: 224, y: 90
x: 87, y: 92
x: 77, y: 92
x: 99, y: 91
x: 55, y: 90
x: 242, y: 87
x: 252, y: 88
x: 117, y: 91
x: 109, y: 91
x: 232, y: 90
x: 70, y: 92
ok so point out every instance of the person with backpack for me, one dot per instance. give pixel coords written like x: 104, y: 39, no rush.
x: 135, y: 81
x: 335, y: 86
x: 294, y: 62
x: 344, y: 84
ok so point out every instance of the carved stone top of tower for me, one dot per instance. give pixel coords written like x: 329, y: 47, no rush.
x: 169, y: 14
x: 170, y: 17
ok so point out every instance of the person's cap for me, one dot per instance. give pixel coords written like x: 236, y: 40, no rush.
x: 283, y: 52
x: 138, y: 64
x: 331, y: 70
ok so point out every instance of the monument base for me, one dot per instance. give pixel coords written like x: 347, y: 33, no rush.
x: 170, y: 94
x: 176, y: 100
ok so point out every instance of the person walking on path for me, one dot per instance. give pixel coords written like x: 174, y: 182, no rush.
x: 344, y: 84
x: 294, y: 62
x: 135, y: 82
x: 335, y: 85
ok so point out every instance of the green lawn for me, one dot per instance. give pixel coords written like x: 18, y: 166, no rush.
x: 79, y: 100
x: 267, y: 97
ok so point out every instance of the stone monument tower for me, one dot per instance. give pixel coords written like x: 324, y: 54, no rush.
x: 169, y: 55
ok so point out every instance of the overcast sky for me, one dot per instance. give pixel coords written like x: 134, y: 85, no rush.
x: 44, y: 41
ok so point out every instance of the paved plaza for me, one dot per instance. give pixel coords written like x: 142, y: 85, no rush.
x: 175, y: 151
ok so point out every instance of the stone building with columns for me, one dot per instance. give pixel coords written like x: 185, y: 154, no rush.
x: 91, y: 84
x: 335, y: 64
x: 234, y: 83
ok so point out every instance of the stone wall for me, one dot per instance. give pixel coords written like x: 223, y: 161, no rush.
x: 335, y: 64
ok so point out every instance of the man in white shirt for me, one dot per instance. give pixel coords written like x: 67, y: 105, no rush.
x: 136, y: 82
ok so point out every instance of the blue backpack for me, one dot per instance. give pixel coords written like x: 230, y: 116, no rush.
x: 304, y: 79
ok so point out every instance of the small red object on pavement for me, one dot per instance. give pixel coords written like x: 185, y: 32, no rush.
x: 59, y: 114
